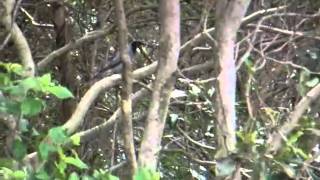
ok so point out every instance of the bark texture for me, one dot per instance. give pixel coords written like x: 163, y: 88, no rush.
x: 229, y: 15
x: 169, y: 53
x: 62, y: 28
x: 126, y: 91
x: 7, y: 20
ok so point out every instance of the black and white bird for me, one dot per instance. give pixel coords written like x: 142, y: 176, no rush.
x: 114, y: 65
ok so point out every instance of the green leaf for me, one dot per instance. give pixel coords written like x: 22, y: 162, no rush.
x: 76, y: 162
x: 19, y: 174
x: 19, y: 149
x: 294, y: 137
x: 62, y: 166
x: 10, y: 106
x: 75, y: 139
x: 7, y: 162
x: 5, y: 170
x: 146, y: 174
x: 45, y: 80
x: 105, y: 175
x: 23, y: 125
x: 4, y: 80
x: 45, y: 149
x: 312, y: 83
x: 86, y: 177
x: 300, y: 152
x: 73, y: 176
x: 42, y: 175
x: 15, y: 68
x: 31, y: 106
x: 17, y: 91
x: 58, y: 135
x: 111, y: 177
x: 30, y: 83
x: 35, y: 132
x: 60, y: 92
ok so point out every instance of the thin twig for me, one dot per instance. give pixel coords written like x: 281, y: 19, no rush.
x: 194, y: 141
x: 33, y: 22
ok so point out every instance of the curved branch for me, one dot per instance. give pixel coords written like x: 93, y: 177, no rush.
x: 18, y: 38
x: 86, y: 101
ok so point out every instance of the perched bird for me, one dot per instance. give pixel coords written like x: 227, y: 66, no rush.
x: 114, y: 66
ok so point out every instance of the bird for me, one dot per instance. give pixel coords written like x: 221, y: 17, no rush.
x: 114, y: 65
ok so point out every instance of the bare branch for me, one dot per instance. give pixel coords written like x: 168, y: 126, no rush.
x: 194, y: 141
x: 71, y: 45
x: 33, y: 21
x: 286, y: 32
x: 126, y: 104
x: 252, y: 17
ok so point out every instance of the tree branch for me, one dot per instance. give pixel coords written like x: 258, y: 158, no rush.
x: 86, y: 101
x: 169, y: 54
x: 126, y: 104
x: 17, y: 37
x: 276, y: 139
x: 71, y: 45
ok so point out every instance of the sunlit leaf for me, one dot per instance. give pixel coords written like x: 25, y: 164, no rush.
x: 60, y: 92
x: 62, y: 166
x: 76, y: 162
x: 146, y: 173
x: 45, y: 80
x: 15, y: 68
x: 111, y: 177
x: 294, y: 137
x: 312, y: 83
x: 73, y: 176
x: 75, y: 139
